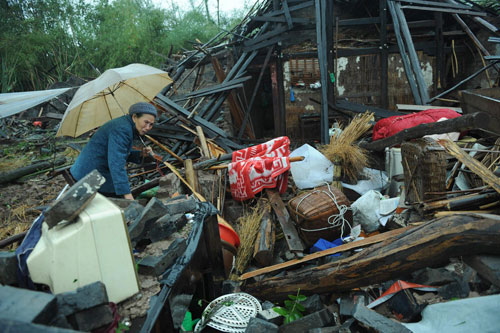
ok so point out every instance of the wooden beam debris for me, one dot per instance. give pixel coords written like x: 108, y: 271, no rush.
x: 429, y: 244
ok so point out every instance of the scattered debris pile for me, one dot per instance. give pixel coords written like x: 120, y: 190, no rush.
x: 393, y: 215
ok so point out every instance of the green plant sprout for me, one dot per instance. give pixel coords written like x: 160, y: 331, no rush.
x: 293, y: 310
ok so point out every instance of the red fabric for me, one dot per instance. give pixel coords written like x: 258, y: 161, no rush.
x: 258, y: 167
x: 389, y: 126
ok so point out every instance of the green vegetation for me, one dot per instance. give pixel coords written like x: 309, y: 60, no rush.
x: 293, y: 310
x: 48, y: 41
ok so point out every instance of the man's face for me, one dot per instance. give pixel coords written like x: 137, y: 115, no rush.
x: 144, y: 123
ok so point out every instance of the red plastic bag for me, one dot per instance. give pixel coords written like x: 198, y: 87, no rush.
x: 387, y: 127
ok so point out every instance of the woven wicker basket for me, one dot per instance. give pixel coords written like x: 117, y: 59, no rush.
x: 311, y: 211
x: 424, y: 166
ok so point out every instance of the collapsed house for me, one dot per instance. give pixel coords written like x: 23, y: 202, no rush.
x: 295, y: 69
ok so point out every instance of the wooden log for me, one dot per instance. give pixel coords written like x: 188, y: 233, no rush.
x: 12, y: 175
x: 341, y: 248
x: 264, y: 244
x: 429, y: 244
x: 203, y: 142
x: 463, y: 123
x: 474, y: 165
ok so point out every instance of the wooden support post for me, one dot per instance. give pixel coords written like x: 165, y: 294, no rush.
x: 404, y: 56
x: 191, y: 175
x: 384, y: 55
x: 415, y: 62
x: 255, y: 90
x: 439, y: 77
x: 323, y: 64
x: 278, y: 102
x: 292, y: 237
x: 429, y: 244
x: 330, y: 64
x: 264, y: 244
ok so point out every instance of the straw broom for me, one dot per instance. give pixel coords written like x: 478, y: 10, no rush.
x: 342, y: 148
x: 250, y: 223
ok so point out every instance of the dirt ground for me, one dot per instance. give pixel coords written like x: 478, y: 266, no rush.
x: 20, y: 203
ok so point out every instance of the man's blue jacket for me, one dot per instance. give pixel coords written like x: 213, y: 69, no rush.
x: 108, y: 151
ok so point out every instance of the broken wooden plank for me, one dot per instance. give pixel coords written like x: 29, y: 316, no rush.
x: 446, y: 10
x: 203, y: 142
x: 165, y: 148
x: 435, y: 3
x: 463, y: 123
x: 291, y: 236
x: 341, y: 248
x: 416, y: 108
x: 470, y: 77
x: 429, y: 244
x: 288, y: 17
x: 474, y: 165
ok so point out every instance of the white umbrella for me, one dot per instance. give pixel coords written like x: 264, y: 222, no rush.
x: 110, y: 96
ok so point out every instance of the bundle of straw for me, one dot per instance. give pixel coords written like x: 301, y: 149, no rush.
x: 250, y: 223
x: 342, y: 148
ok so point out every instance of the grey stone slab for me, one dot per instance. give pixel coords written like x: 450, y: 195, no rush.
x: 16, y: 326
x: 163, y: 227
x: 257, y: 325
x: 169, y: 185
x: 271, y: 316
x: 132, y: 211
x: 156, y: 265
x: 91, y: 319
x: 27, y: 305
x: 8, y: 267
x: 76, y: 198
x: 153, y: 210
x: 318, y: 319
x: 83, y: 298
x: 181, y: 204
x: 377, y: 321
x: 433, y: 276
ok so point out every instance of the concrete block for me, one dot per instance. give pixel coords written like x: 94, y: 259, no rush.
x: 257, y: 325
x: 8, y: 267
x: 61, y: 322
x: 170, y: 184
x: 318, y: 319
x: 313, y: 303
x: 154, y: 209
x: 456, y: 289
x: 153, y: 265
x: 27, y: 305
x: 71, y: 203
x: 90, y: 319
x: 83, y: 298
x: 377, y: 321
x: 16, y: 326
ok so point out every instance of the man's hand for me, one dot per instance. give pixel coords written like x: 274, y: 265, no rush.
x: 147, y: 151
x: 128, y: 196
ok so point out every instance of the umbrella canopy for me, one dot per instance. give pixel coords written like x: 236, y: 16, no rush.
x: 110, y: 96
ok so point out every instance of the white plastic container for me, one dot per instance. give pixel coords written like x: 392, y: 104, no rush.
x: 393, y: 167
x: 96, y: 247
